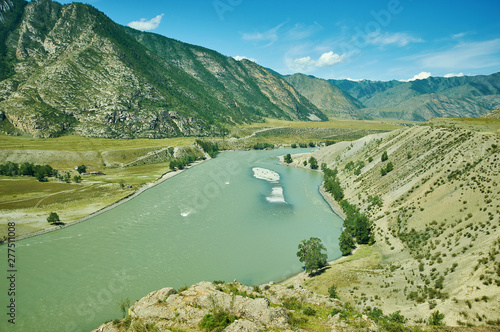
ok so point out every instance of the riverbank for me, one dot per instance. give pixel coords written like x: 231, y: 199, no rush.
x: 334, y: 205
x: 140, y: 190
x: 300, y: 278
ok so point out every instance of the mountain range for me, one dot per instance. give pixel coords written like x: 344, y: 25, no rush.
x: 69, y: 69
x: 419, y: 100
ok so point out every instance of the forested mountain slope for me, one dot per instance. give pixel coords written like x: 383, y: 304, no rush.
x: 71, y: 69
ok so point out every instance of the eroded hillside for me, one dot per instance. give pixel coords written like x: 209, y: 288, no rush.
x: 435, y: 218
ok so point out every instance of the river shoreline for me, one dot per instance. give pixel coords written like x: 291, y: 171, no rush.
x: 121, y: 201
x: 334, y: 205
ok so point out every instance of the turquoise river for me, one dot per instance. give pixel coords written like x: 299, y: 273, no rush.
x: 212, y: 222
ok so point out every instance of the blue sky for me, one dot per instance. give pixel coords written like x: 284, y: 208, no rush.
x: 377, y: 40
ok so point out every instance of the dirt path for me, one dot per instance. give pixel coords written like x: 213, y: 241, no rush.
x: 259, y: 131
x: 60, y: 192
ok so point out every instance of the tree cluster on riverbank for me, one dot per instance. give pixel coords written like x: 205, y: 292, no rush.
x: 27, y: 169
x: 181, y: 163
x: 209, y: 147
x: 357, y: 227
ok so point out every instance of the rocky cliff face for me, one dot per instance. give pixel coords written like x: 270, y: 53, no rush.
x: 241, y: 308
x: 71, y: 69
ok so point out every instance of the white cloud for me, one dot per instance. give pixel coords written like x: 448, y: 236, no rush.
x: 145, y: 25
x: 472, y: 55
x: 239, y: 58
x: 454, y: 75
x: 305, y: 64
x: 329, y: 59
x: 423, y: 75
x: 398, y: 39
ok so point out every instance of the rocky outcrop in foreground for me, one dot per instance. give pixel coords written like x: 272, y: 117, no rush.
x: 235, y: 307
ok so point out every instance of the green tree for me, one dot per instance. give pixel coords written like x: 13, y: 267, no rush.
x: 288, y: 159
x: 77, y: 178
x: 81, y: 169
x: 40, y: 177
x: 209, y: 147
x: 66, y: 177
x: 26, y: 169
x: 436, y: 318
x: 384, y: 156
x: 9, y: 169
x: 311, y: 253
x: 313, y: 163
x: 332, y: 291
x: 396, y: 317
x: 53, y: 218
x: 294, y: 146
x: 346, y: 243
x: 363, y: 229
x: 387, y: 169
x: 332, y: 185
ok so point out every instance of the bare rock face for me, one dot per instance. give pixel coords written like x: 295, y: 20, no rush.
x: 242, y: 325
x: 251, y: 309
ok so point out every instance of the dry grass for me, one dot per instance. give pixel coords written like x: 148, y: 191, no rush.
x: 343, y: 272
x: 475, y: 124
x: 444, y: 186
x: 332, y: 123
x: 79, y: 143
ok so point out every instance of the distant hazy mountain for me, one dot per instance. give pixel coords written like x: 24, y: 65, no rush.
x: 327, y: 97
x: 69, y: 68
x: 466, y: 96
